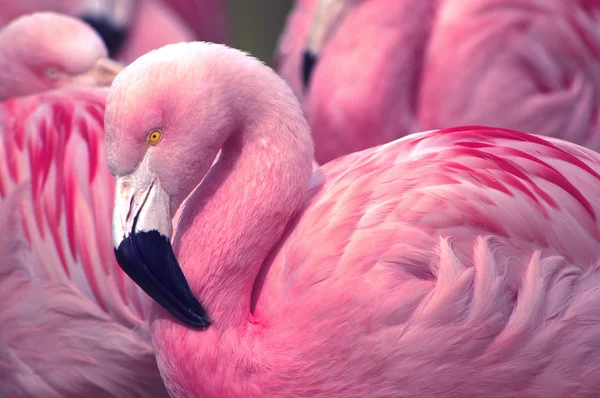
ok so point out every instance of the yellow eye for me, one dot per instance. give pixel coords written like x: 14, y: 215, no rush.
x: 154, y: 137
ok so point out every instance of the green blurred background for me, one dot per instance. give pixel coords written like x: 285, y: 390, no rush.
x: 257, y: 25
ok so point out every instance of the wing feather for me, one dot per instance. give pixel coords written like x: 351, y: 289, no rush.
x: 54, y: 341
x: 532, y: 193
x: 54, y: 143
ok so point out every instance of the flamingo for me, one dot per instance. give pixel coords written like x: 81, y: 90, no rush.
x: 129, y: 28
x: 453, y: 262
x: 109, y: 17
x: 71, y: 323
x: 423, y: 64
x: 358, y: 90
x: 42, y: 51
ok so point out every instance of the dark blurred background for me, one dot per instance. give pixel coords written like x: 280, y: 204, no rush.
x: 257, y: 25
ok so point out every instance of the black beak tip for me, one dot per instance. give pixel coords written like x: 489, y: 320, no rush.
x: 148, y: 259
x: 309, y: 60
x: 112, y: 34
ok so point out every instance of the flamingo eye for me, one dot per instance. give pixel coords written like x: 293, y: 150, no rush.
x: 154, y: 137
x: 52, y: 73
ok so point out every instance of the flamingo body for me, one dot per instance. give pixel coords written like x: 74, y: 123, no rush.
x: 544, y: 76
x: 71, y: 323
x: 451, y: 263
x: 454, y: 262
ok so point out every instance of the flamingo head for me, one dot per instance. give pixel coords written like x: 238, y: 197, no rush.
x: 48, y: 50
x: 167, y: 116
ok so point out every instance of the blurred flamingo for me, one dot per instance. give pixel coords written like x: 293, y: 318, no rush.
x: 527, y: 65
x: 43, y: 51
x: 71, y: 323
x: 131, y: 28
x: 455, y: 262
x: 424, y: 64
x: 110, y: 17
x: 356, y: 65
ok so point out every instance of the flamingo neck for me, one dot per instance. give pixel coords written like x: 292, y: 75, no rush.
x: 381, y: 95
x: 241, y: 209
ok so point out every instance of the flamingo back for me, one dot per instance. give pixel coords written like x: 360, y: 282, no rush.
x: 459, y: 183
x: 470, y: 248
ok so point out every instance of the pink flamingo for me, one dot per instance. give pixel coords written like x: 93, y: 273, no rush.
x: 71, y: 323
x: 355, y: 65
x: 423, y: 64
x: 46, y: 50
x: 129, y: 28
x: 110, y: 17
x: 453, y: 262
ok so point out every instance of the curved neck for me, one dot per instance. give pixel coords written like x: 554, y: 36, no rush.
x: 241, y: 209
x: 379, y: 96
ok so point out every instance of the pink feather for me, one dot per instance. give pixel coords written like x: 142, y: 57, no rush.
x: 460, y: 262
x: 71, y: 323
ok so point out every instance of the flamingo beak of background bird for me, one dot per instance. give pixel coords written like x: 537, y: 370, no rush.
x: 142, y: 229
x: 329, y: 15
x: 101, y: 74
x: 110, y: 19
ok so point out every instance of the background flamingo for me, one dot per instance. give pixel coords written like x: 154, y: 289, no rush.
x: 71, y: 323
x: 417, y: 64
x: 454, y: 262
x: 42, y: 51
x: 545, y: 74
x: 131, y: 28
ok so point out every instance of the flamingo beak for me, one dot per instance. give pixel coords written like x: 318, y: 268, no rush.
x: 101, y: 74
x: 109, y: 18
x: 142, y: 230
x: 329, y: 15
